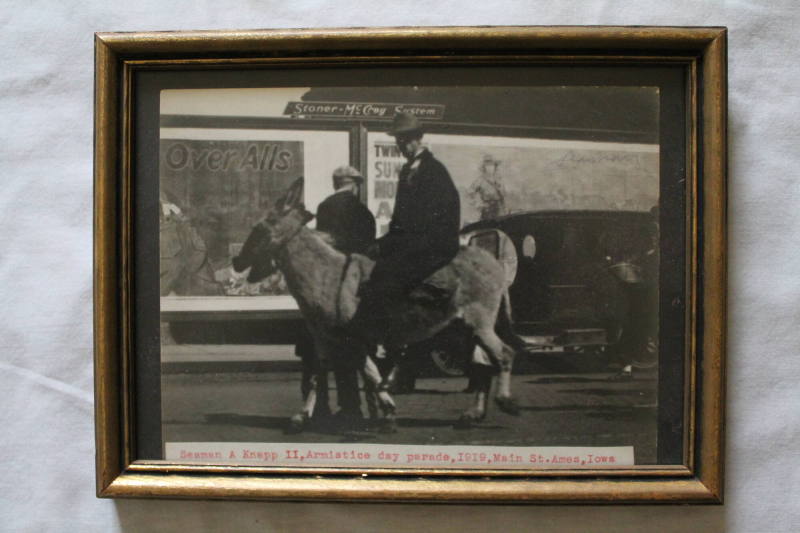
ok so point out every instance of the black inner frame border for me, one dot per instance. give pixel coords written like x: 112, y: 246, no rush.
x: 671, y: 78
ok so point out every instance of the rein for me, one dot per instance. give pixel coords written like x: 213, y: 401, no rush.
x: 348, y: 258
x: 276, y: 251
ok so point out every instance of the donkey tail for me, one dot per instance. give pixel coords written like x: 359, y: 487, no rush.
x: 504, y: 326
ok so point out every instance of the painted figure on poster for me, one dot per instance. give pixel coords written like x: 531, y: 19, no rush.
x: 488, y: 193
x: 183, y: 266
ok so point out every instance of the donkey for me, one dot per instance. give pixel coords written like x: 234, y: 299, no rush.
x: 325, y: 284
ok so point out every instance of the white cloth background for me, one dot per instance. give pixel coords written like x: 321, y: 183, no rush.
x: 46, y: 414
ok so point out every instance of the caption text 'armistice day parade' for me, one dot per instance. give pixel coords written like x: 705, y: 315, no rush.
x: 413, y: 276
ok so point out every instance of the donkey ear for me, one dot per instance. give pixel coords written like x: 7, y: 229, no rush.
x: 279, y: 203
x: 295, y: 195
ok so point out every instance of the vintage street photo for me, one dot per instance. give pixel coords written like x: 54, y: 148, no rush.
x: 410, y: 276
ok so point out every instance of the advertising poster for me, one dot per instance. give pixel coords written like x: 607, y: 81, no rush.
x: 498, y: 176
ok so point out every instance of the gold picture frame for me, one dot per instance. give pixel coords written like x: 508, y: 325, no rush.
x: 700, y: 53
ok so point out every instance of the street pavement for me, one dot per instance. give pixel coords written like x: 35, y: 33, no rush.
x: 250, y: 396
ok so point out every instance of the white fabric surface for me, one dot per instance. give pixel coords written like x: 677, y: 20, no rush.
x: 47, y: 435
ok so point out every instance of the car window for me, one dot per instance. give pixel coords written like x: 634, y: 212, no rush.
x: 529, y: 247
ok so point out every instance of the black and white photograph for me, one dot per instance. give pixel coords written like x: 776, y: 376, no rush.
x: 412, y: 276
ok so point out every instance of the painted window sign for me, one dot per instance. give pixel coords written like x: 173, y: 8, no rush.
x: 260, y: 155
x: 228, y: 173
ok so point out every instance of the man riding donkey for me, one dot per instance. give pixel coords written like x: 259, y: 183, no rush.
x: 423, y: 237
x: 423, y: 233
x: 420, y: 284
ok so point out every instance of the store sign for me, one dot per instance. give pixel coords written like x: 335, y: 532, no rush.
x: 368, y: 110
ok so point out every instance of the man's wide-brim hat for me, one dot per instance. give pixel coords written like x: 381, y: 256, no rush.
x: 348, y: 172
x: 405, y: 124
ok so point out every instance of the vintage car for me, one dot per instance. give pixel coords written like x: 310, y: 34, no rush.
x: 572, y: 272
x: 580, y: 281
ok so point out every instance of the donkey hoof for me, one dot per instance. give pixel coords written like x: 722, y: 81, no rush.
x: 388, y: 425
x: 507, y: 405
x: 467, y: 421
x: 296, y: 424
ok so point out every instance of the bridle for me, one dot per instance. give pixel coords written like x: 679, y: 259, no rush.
x: 281, y: 246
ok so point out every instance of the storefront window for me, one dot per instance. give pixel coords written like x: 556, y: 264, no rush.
x: 218, y: 182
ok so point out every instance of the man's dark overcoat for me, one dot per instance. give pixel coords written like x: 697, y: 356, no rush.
x: 423, y: 232
x: 348, y: 221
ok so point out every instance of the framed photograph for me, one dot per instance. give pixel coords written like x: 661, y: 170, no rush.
x: 411, y: 264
